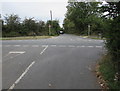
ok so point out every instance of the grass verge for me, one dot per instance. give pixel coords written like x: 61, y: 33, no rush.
x: 25, y: 38
x: 107, y: 73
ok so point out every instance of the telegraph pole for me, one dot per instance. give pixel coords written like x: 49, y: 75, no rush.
x: 50, y: 25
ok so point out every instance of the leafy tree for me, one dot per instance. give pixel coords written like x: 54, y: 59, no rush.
x: 55, y: 27
x: 12, y: 23
x: 81, y: 14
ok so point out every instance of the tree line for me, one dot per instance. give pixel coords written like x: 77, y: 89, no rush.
x: 12, y: 26
x: 103, y: 19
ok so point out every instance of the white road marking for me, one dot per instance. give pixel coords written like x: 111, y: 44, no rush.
x: 53, y: 45
x: 20, y: 52
x: 44, y: 50
x: 82, y: 46
x: 90, y: 46
x: 99, y: 46
x: 18, y: 80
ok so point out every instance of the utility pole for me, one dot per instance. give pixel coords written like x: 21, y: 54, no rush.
x: 88, y: 30
x: 50, y: 25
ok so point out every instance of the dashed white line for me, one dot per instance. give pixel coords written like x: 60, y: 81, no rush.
x: 44, y: 50
x: 98, y: 46
x: 82, y: 46
x: 90, y: 46
x: 18, y: 80
x: 53, y: 45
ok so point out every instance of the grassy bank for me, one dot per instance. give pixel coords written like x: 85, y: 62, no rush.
x: 107, y: 72
x: 25, y: 38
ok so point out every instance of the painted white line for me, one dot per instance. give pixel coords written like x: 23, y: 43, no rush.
x: 44, y: 50
x: 17, y: 45
x: 90, y: 46
x: 53, y: 45
x: 20, y: 52
x: 18, y: 80
x: 99, y: 46
x: 82, y: 46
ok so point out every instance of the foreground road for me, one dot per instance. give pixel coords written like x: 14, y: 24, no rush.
x: 64, y: 62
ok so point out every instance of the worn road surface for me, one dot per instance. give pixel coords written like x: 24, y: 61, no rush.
x: 63, y: 62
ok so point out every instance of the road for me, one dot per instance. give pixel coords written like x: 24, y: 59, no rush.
x: 63, y: 62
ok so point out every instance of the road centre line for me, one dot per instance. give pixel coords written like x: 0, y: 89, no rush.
x: 18, y: 80
x: 90, y: 46
x: 82, y: 46
x: 43, y: 50
x: 98, y: 46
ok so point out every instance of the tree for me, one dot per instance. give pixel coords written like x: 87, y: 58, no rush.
x: 29, y: 27
x: 55, y: 27
x: 81, y: 14
x: 112, y: 9
x: 12, y: 25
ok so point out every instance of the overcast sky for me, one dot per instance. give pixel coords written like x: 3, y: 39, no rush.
x: 39, y: 9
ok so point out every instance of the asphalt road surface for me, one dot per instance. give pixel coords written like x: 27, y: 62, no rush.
x: 63, y: 62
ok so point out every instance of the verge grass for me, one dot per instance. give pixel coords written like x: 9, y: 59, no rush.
x: 107, y: 70
x: 25, y: 38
